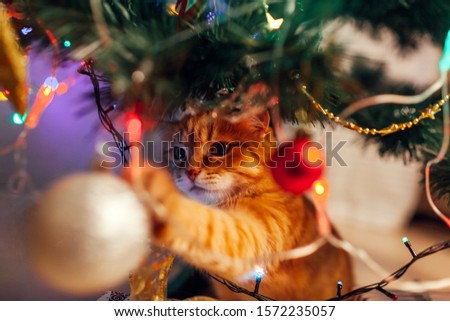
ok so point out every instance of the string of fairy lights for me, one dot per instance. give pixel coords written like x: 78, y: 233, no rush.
x: 103, y: 114
x: 377, y: 286
x: 20, y: 179
x: 380, y: 286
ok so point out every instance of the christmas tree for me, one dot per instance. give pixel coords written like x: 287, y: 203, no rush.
x: 148, y: 58
x: 246, y: 42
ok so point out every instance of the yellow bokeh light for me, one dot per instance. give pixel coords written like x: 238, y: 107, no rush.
x: 47, y: 91
x: 172, y: 9
x: 273, y: 23
x: 3, y: 96
x: 319, y: 188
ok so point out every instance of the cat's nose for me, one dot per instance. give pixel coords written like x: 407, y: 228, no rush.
x: 192, y: 173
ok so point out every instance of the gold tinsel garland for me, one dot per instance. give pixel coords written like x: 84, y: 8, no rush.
x: 428, y: 112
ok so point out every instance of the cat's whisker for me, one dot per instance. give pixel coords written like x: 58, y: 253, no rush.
x: 228, y: 197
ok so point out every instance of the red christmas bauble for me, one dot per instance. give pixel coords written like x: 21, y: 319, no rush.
x: 296, y: 165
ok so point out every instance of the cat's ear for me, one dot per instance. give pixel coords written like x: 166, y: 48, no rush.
x: 179, y: 113
x: 256, y: 119
x: 262, y: 120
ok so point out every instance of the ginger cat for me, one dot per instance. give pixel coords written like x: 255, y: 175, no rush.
x: 225, y: 210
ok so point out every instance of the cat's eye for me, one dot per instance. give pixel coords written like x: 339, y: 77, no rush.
x: 218, y: 149
x: 179, y: 153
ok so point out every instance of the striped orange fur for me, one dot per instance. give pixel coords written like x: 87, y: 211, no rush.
x: 222, y: 217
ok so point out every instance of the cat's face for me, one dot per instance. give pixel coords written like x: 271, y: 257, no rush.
x: 213, y: 159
